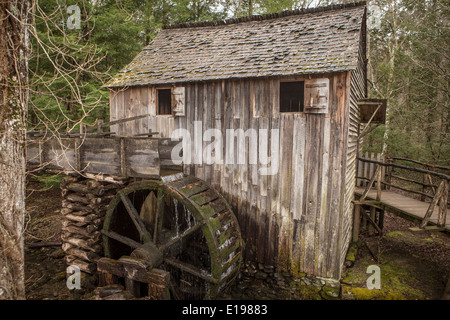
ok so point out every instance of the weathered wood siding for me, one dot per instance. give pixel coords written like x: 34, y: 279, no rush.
x: 357, y: 91
x: 136, y: 101
x: 296, y: 218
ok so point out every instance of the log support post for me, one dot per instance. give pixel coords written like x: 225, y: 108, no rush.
x: 356, y: 222
x: 443, y: 207
x: 134, y: 274
x: 442, y: 216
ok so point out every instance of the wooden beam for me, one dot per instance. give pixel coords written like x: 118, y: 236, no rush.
x: 186, y: 267
x: 356, y: 222
x: 374, y: 224
x: 433, y: 204
x: 363, y: 134
x: 422, y: 163
x: 369, y: 186
x: 417, y: 182
x: 441, y: 175
x: 371, y: 203
x: 427, y: 228
x: 108, y: 124
x: 134, y: 215
x: 442, y: 216
x: 122, y: 239
x: 371, y: 118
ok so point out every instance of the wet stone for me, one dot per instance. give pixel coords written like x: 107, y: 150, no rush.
x: 260, y: 275
x: 258, y: 281
x: 269, y: 269
x: 109, y: 290
x: 330, y: 293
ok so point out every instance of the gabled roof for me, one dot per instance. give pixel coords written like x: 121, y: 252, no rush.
x: 319, y: 40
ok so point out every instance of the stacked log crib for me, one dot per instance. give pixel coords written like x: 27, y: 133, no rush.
x: 84, y: 206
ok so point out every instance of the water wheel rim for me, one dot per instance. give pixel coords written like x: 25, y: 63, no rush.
x: 221, y: 272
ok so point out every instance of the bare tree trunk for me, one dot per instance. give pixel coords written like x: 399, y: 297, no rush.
x: 14, y: 43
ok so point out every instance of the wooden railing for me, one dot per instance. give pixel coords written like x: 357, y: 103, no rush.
x: 421, y: 181
x: 427, y: 182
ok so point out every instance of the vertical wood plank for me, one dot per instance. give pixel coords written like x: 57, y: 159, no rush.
x: 152, y: 109
x: 144, y: 109
x: 321, y: 227
x: 314, y: 140
x: 343, y: 93
x: 275, y: 198
x: 285, y: 246
x: 127, y: 110
x: 298, y: 166
x: 197, y: 136
x: 191, y: 105
x: 228, y: 116
x: 275, y: 88
x: 337, y: 153
x: 113, y: 108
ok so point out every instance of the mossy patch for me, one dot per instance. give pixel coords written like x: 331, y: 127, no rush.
x: 395, y: 234
x: 49, y: 181
x: 396, y: 283
x: 305, y: 292
x: 367, y: 294
x: 352, y: 252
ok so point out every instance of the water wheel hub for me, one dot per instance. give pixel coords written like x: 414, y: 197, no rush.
x: 148, y: 253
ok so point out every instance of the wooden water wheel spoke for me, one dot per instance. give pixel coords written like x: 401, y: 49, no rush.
x: 189, y: 268
x: 182, y: 236
x: 159, y: 214
x: 144, y: 234
x: 192, y: 290
x: 122, y: 239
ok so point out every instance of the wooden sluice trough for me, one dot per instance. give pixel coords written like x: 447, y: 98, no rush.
x: 137, y: 157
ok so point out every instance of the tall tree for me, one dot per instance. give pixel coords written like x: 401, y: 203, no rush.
x: 15, y: 16
x: 66, y: 67
x: 409, y: 67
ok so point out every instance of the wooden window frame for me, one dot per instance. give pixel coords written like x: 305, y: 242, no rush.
x: 157, y: 102
x: 279, y: 94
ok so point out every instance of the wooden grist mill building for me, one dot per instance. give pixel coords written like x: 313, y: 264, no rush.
x: 297, y: 77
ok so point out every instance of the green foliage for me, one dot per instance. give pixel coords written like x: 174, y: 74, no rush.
x: 69, y: 67
x: 409, y: 66
x: 65, y: 69
x: 49, y: 181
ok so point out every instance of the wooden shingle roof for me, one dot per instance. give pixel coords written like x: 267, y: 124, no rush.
x: 319, y: 40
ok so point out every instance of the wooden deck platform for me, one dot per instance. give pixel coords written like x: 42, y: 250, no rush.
x: 404, y: 206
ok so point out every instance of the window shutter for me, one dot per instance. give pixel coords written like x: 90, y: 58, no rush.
x: 178, y: 101
x: 317, y: 95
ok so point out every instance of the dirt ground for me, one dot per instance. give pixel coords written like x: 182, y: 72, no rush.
x: 413, y: 265
x: 45, y: 269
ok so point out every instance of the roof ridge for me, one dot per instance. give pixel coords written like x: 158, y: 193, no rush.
x: 268, y: 16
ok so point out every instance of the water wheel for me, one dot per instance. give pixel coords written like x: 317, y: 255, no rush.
x: 183, y: 227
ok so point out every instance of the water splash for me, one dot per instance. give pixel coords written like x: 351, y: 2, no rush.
x: 227, y: 243
x: 172, y: 177
x: 177, y: 226
x: 187, y: 216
